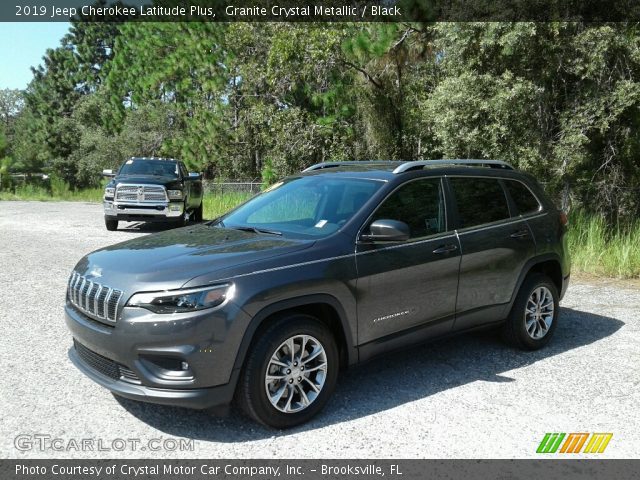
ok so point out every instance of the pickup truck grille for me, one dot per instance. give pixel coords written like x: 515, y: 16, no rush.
x: 98, y: 301
x: 141, y: 193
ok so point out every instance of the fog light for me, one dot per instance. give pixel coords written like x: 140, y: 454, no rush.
x: 167, y: 368
x: 175, y: 208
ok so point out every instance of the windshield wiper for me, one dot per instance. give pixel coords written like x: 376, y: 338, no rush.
x: 247, y: 228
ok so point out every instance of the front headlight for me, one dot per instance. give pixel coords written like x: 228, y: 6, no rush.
x: 175, y: 194
x: 109, y: 192
x: 180, y: 301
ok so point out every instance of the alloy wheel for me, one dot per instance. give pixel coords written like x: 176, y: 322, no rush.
x: 296, y: 373
x: 538, y: 314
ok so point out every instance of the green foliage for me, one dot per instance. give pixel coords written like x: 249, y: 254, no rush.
x: 216, y: 205
x: 11, y: 103
x: 178, y: 64
x: 55, y: 189
x: 557, y: 99
x: 5, y: 163
x: 268, y: 173
x: 48, y: 134
x: 560, y: 100
x: 600, y: 249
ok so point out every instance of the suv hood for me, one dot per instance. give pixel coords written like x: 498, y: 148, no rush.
x: 169, y: 259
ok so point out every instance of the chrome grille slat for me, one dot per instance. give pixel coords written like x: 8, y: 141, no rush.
x: 150, y: 193
x: 92, y: 297
x: 112, y: 307
x: 97, y: 301
x: 81, y: 293
x: 76, y: 289
x: 106, y: 303
x: 100, y: 297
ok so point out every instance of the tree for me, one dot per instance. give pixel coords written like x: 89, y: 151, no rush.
x: 11, y: 103
x: 179, y: 64
x: 557, y: 99
x: 68, y: 73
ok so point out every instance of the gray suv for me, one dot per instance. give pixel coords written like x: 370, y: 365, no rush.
x: 320, y: 272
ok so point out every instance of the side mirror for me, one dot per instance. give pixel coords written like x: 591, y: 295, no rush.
x: 108, y: 173
x: 194, y: 176
x: 387, y: 231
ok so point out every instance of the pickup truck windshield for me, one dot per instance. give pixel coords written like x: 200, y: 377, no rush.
x: 303, y: 207
x: 149, y: 167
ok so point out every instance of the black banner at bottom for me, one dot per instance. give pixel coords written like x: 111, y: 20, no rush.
x: 150, y: 469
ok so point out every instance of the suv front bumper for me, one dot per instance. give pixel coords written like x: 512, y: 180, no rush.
x: 140, y: 357
x: 197, y: 398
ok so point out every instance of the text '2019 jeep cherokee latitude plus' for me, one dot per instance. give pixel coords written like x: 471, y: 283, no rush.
x: 151, y: 189
x: 321, y: 271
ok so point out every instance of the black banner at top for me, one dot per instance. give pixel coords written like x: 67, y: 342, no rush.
x: 320, y: 11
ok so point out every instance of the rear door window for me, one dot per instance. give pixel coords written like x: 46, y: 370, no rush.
x: 522, y: 197
x: 479, y: 200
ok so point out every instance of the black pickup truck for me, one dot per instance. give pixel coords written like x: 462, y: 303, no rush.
x: 151, y: 189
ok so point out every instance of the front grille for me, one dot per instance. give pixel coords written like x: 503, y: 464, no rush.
x: 104, y: 365
x: 141, y: 193
x: 98, y: 301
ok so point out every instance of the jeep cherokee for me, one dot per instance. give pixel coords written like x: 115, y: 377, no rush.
x: 321, y: 271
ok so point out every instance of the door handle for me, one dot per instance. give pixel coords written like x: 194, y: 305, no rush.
x: 445, y: 249
x: 520, y: 233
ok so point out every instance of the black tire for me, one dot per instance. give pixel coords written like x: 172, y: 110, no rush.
x: 197, y: 214
x: 252, y: 393
x: 514, y: 331
x: 112, y: 225
x: 182, y: 221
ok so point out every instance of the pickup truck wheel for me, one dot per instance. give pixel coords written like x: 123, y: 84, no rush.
x: 534, y: 315
x: 112, y: 225
x: 197, y: 214
x: 184, y: 218
x: 290, y: 372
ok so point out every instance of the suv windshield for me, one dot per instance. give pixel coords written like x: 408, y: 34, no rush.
x: 303, y: 206
x: 137, y: 166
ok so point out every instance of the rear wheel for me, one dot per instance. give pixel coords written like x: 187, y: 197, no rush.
x: 112, y: 225
x: 197, y: 214
x: 534, y: 315
x: 290, y: 372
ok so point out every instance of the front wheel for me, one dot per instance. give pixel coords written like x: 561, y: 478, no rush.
x: 534, y: 315
x: 112, y: 225
x: 184, y: 218
x: 290, y: 372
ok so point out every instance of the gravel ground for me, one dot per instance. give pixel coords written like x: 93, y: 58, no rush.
x: 469, y: 397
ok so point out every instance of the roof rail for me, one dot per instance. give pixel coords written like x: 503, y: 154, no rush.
x: 408, y: 166
x: 323, y: 165
x: 402, y: 167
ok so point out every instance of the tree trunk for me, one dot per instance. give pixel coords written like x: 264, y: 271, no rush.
x: 565, y: 198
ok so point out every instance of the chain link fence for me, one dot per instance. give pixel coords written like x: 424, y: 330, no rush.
x: 233, y: 186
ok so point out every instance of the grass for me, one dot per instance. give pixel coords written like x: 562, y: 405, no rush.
x: 595, y: 248
x: 216, y: 205
x: 601, y: 250
x: 58, y: 191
